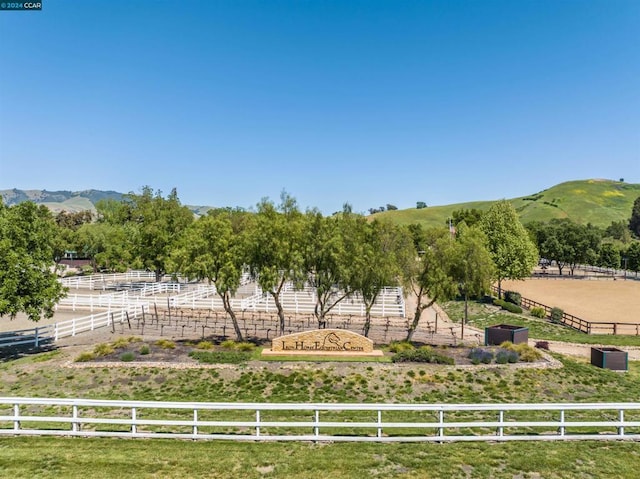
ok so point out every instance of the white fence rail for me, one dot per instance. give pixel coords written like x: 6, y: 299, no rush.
x: 320, y: 422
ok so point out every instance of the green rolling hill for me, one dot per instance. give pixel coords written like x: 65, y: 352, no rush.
x: 598, y: 202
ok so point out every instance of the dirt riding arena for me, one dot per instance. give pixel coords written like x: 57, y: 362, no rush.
x: 592, y: 300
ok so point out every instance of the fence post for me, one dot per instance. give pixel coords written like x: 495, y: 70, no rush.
x: 501, y: 421
x: 257, y: 423
x: 74, y: 424
x: 195, y: 422
x: 37, y: 340
x: 16, y: 417
x: 621, y: 419
x: 134, y: 428
x: 379, y: 423
x: 562, y: 427
x: 316, y: 429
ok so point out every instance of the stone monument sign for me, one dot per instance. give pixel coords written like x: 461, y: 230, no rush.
x: 323, y: 341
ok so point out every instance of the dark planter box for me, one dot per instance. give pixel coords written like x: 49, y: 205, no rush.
x: 610, y: 358
x: 498, y: 334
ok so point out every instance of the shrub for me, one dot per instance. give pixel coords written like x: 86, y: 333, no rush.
x: 505, y: 356
x: 538, y: 312
x: 421, y: 355
x: 498, y: 302
x: 144, y: 349
x: 399, y: 346
x: 513, y: 297
x: 228, y: 344
x: 165, y: 344
x: 204, y: 345
x: 127, y: 357
x: 526, y: 353
x: 86, y: 356
x: 246, y: 347
x: 103, y: 349
x: 123, y: 342
x: 556, y: 315
x: 479, y: 355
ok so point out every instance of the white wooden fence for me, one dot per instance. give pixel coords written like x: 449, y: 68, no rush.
x: 320, y: 422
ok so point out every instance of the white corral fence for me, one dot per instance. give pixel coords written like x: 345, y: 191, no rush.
x: 320, y: 422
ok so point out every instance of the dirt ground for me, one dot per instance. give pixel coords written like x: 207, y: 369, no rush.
x: 593, y: 300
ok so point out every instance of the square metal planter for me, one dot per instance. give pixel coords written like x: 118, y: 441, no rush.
x: 610, y: 358
x: 498, y: 334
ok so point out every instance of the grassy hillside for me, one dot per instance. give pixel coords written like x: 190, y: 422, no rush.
x: 598, y: 202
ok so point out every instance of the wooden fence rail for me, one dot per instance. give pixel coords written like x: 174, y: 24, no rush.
x: 319, y: 422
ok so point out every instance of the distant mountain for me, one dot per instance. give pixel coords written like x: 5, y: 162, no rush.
x: 70, y: 200
x: 598, y: 202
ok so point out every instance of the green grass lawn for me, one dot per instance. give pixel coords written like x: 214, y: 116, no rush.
x: 120, y: 458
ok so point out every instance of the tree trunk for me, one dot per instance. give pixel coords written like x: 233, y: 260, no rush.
x: 499, y: 288
x: 226, y: 302
x: 159, y: 275
x: 367, y: 320
x: 276, y: 300
x: 466, y: 313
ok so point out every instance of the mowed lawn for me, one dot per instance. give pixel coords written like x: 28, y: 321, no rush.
x: 592, y: 300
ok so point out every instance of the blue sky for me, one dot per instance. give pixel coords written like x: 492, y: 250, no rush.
x: 368, y: 102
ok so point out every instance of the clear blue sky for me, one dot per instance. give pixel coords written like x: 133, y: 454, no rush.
x: 370, y: 102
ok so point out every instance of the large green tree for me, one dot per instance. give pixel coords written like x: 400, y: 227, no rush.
x: 27, y: 281
x: 569, y: 243
x: 326, y: 259
x: 634, y: 221
x: 512, y: 250
x: 472, y: 266
x: 158, y: 223
x: 213, y: 248
x: 427, y: 271
x: 275, y: 249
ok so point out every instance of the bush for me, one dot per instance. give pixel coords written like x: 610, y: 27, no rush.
x: 498, y: 302
x: 526, y: 353
x: 144, y: 349
x: 538, y: 312
x: 556, y: 315
x: 246, y: 347
x: 123, y: 342
x: 127, y: 357
x: 204, y: 345
x: 505, y: 356
x: 399, y: 346
x: 512, y: 308
x: 513, y: 297
x: 479, y: 355
x: 421, y: 355
x: 228, y: 344
x: 103, y: 349
x: 86, y: 356
x: 165, y: 344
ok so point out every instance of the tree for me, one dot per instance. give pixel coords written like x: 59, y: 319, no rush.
x: 470, y: 217
x: 275, y: 244
x: 212, y: 249
x: 327, y: 259
x: 619, y: 230
x: 374, y: 264
x: 158, y: 223
x: 27, y: 282
x: 568, y: 243
x: 391, y: 207
x: 472, y: 266
x: 509, y: 244
x: 420, y: 205
x: 633, y: 257
x: 609, y: 256
x: 426, y: 271
x: 634, y: 221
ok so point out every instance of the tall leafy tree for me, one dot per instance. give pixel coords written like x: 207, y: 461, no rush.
x: 427, y: 271
x: 213, y: 248
x: 275, y: 246
x: 569, y: 244
x: 634, y: 221
x: 158, y: 223
x: 633, y: 257
x: 27, y: 282
x: 472, y: 266
x: 512, y: 250
x: 609, y: 256
x: 376, y: 264
x: 325, y: 260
